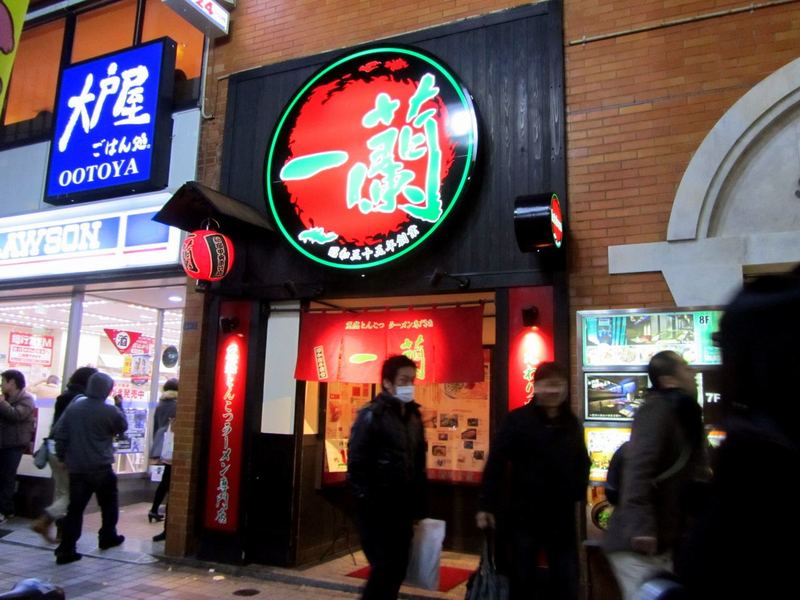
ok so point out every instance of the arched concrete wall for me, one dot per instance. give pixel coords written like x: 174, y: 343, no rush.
x: 738, y: 203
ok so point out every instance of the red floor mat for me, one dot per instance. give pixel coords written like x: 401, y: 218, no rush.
x: 449, y: 577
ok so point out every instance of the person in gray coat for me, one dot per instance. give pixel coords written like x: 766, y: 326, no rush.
x: 16, y: 433
x: 665, y: 455
x: 84, y: 437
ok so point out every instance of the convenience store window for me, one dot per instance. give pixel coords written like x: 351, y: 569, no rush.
x: 33, y: 340
x: 93, y: 31
x: 124, y: 331
x: 126, y: 340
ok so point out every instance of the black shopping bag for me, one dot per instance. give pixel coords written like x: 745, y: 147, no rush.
x: 486, y: 583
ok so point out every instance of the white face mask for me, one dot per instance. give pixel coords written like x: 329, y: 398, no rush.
x: 404, y: 393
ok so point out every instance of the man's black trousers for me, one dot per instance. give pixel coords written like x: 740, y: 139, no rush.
x: 102, y: 482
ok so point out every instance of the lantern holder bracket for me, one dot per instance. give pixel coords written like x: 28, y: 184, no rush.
x: 194, y: 203
x: 438, y: 275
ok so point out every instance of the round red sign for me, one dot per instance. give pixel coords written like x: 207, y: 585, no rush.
x: 370, y: 157
x: 556, y: 223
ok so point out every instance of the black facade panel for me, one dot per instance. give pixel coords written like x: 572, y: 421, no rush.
x: 514, y: 71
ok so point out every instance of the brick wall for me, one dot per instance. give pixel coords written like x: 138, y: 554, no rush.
x: 638, y: 106
x: 186, y: 461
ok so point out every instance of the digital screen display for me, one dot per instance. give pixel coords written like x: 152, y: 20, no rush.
x: 614, y: 396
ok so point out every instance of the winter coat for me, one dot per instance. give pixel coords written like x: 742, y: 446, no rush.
x: 85, y: 433
x: 165, y: 412
x: 548, y: 466
x: 667, y: 434
x: 16, y: 420
x: 64, y: 400
x: 386, y: 454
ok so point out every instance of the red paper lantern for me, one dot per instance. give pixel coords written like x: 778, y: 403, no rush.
x: 207, y: 255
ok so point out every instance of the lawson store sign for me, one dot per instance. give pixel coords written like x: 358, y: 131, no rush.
x: 112, y: 132
x: 90, y: 238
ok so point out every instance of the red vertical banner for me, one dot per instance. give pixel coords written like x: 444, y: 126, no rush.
x: 528, y: 345
x: 223, y: 490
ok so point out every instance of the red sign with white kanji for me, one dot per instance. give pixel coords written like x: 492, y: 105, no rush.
x: 223, y: 487
x: 446, y: 344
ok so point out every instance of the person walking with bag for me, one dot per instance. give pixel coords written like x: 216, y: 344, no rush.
x: 541, y: 444
x: 76, y: 386
x: 386, y: 470
x: 164, y: 415
x: 666, y: 453
x: 167, y: 448
x: 84, y: 438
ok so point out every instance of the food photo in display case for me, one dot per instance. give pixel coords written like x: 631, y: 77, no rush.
x: 601, y: 442
x: 342, y: 401
x: 614, y: 396
x: 455, y: 417
x: 456, y: 421
x: 632, y: 339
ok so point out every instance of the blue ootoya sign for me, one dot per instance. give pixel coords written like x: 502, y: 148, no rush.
x: 113, y: 125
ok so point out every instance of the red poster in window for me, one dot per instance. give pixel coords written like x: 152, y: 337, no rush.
x: 223, y: 490
x: 30, y: 349
x: 445, y: 343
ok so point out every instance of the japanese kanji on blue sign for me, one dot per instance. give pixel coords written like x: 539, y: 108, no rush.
x: 112, y: 133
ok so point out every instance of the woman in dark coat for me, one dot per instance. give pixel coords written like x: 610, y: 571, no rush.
x: 165, y: 414
x: 541, y: 446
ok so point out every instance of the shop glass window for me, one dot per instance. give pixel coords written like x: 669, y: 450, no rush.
x: 161, y: 21
x: 31, y: 96
x: 33, y: 340
x: 342, y: 401
x: 104, y: 30
x: 119, y: 338
x: 455, y: 417
x: 32, y: 89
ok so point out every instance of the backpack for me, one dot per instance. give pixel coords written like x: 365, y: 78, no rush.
x: 616, y: 467
x: 614, y: 475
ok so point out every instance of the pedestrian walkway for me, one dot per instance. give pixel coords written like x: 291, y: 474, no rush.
x: 138, y: 569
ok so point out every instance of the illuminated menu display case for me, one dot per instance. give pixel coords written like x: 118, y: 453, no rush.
x: 615, y: 349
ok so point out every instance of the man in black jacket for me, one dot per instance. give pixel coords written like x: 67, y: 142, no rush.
x: 542, y: 444
x: 386, y: 469
x: 84, y: 438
